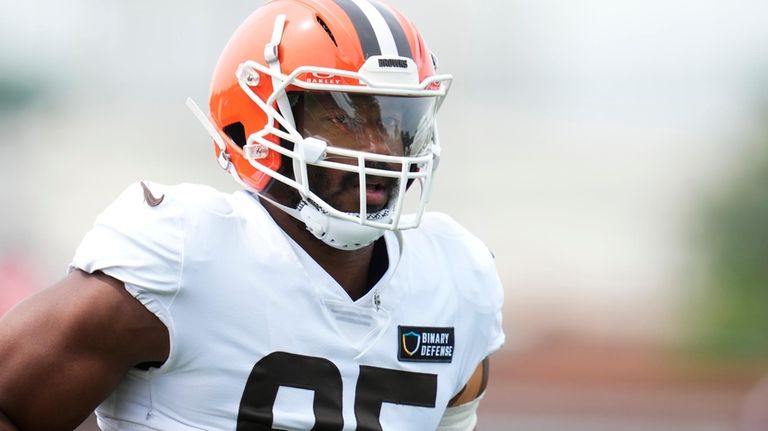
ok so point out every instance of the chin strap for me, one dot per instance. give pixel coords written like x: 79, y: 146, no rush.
x: 335, y: 232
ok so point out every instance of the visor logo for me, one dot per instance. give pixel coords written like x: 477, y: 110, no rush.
x: 319, y: 75
x: 393, y: 62
x: 425, y: 344
x: 323, y: 78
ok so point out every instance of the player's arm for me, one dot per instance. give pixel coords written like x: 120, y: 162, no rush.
x: 5, y: 424
x: 461, y: 414
x: 65, y: 349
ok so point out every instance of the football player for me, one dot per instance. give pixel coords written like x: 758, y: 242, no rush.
x: 317, y: 297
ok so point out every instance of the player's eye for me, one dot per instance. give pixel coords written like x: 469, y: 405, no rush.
x: 390, y: 121
x: 338, y: 119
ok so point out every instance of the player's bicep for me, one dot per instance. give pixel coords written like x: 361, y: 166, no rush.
x: 66, y: 348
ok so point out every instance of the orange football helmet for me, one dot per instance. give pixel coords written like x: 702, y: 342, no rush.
x: 343, y: 48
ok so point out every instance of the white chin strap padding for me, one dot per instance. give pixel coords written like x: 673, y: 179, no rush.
x: 338, y: 233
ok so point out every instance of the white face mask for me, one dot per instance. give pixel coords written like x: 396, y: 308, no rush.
x: 379, y: 144
x: 382, y: 106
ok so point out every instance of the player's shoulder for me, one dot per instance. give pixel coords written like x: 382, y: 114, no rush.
x: 150, y: 208
x: 187, y: 196
x: 462, y: 254
x: 442, y: 224
x: 444, y: 231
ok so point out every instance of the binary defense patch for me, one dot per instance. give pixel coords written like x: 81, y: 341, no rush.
x: 424, y: 344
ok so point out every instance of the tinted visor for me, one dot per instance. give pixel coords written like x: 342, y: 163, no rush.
x: 391, y: 125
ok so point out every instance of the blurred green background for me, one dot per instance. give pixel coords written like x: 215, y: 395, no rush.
x: 731, y: 319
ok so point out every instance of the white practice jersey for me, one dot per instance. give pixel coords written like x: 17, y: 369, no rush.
x: 262, y: 337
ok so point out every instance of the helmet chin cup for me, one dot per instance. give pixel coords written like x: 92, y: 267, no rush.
x: 335, y: 232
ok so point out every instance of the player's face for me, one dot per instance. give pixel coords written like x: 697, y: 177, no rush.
x: 373, y: 124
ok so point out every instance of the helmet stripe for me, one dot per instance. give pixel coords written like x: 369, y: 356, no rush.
x: 372, y: 27
x: 403, y: 48
x: 363, y: 27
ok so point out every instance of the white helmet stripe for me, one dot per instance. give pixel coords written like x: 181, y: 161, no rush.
x: 380, y: 27
x: 375, y: 35
x: 401, y: 40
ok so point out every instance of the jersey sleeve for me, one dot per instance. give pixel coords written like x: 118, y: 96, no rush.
x: 140, y: 245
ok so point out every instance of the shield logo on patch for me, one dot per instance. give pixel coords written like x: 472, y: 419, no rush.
x: 411, y: 342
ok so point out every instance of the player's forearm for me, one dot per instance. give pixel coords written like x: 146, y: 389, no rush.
x: 6, y: 424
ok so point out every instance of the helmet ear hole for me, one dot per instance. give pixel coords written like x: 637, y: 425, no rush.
x: 236, y: 132
x: 327, y: 30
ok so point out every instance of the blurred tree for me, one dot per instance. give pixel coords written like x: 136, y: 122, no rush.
x: 15, y: 92
x: 731, y: 320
